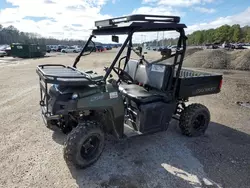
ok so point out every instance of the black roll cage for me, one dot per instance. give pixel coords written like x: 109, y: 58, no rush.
x: 139, y: 23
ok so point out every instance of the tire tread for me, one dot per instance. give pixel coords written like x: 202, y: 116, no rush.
x: 186, y: 117
x: 74, y: 137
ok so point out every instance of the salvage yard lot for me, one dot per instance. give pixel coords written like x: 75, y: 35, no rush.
x: 31, y: 155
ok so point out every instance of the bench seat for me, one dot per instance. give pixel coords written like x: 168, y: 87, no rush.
x: 154, y: 77
x: 139, y: 94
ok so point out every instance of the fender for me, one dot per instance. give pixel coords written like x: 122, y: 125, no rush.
x: 109, y: 101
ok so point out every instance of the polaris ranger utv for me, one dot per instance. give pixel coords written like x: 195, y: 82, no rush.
x: 145, y: 96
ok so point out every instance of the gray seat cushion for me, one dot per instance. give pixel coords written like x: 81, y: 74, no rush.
x: 140, y: 94
x: 159, y: 75
x: 131, y: 67
x: 141, y: 75
x: 134, y: 91
x: 155, y: 76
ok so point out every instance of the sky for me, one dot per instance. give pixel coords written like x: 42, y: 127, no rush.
x: 74, y: 19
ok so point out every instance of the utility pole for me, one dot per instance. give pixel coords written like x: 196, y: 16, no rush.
x: 163, y: 41
x: 157, y: 39
x: 141, y: 38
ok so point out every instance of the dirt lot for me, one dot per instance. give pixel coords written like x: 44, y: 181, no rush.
x: 218, y: 59
x: 31, y: 154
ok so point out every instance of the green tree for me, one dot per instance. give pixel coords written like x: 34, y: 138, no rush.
x: 197, y: 37
x: 11, y: 34
x: 236, y: 33
x: 222, y: 33
x: 208, y: 36
x: 245, y: 33
x: 247, y: 38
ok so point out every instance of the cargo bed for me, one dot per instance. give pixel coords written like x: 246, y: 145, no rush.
x: 195, y: 83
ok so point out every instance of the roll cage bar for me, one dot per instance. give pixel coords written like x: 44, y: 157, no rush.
x: 139, y: 23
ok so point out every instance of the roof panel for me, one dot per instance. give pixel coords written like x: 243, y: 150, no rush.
x: 138, y: 27
x: 137, y: 17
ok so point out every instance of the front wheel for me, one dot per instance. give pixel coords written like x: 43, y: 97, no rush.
x: 194, y: 120
x: 84, y: 144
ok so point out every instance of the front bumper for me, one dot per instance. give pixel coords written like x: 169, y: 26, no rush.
x: 55, y: 105
x: 54, y: 114
x: 48, y: 119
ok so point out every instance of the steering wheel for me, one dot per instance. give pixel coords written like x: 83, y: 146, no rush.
x: 123, y: 75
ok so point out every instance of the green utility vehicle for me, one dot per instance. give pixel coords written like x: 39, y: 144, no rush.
x: 145, y: 96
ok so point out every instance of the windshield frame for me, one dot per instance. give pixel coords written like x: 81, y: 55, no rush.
x: 83, y: 50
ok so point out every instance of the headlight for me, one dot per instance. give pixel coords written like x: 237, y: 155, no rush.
x: 74, y: 96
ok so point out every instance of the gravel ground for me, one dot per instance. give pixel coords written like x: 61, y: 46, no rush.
x: 218, y: 59
x: 31, y: 154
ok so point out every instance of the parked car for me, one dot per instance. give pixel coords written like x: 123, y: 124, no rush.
x: 5, y: 48
x: 108, y: 47
x: 173, y: 48
x: 70, y: 50
x: 155, y: 48
x: 99, y: 48
x: 60, y: 47
x: 237, y: 46
x: 48, y: 49
x: 212, y: 46
x: 160, y: 48
x: 8, y: 50
x: 53, y: 48
x: 77, y: 50
x: 2, y: 53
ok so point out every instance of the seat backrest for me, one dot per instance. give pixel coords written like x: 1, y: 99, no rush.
x: 131, y: 67
x: 154, y: 75
x: 141, y: 75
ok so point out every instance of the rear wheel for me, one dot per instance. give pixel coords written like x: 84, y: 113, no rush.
x: 194, y: 120
x: 84, y: 144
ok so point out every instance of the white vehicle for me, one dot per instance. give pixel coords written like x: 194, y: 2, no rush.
x: 2, y: 53
x: 70, y: 50
x: 173, y: 48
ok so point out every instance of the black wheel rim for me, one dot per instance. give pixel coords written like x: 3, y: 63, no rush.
x: 199, y: 122
x: 90, y: 147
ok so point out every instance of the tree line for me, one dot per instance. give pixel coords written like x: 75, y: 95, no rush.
x: 221, y: 34
x: 225, y: 33
x: 10, y: 34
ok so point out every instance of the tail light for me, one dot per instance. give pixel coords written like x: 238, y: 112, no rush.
x: 220, y: 86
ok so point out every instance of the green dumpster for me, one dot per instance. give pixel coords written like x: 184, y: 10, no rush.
x: 28, y: 50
